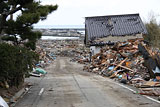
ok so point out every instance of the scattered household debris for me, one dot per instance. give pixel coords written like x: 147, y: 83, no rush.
x: 38, y: 72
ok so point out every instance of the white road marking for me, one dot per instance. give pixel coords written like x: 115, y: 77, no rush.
x: 152, y: 99
x: 135, y: 92
x: 41, y: 91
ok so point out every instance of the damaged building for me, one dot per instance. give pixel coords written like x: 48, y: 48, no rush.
x: 102, y: 30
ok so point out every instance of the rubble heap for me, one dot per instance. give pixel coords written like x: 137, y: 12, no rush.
x: 131, y: 62
x: 50, y: 49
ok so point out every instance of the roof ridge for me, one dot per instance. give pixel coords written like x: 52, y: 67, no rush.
x: 114, y: 15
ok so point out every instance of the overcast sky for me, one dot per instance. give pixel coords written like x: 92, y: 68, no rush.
x: 72, y: 12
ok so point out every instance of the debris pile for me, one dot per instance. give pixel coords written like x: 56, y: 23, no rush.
x: 46, y: 56
x: 60, y: 47
x: 131, y: 62
x: 81, y: 56
x: 50, y: 49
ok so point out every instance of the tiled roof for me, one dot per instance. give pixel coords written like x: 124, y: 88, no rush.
x: 114, y: 25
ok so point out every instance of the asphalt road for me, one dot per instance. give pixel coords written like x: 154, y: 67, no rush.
x: 67, y: 85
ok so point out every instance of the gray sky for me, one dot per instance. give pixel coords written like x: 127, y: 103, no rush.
x: 72, y: 12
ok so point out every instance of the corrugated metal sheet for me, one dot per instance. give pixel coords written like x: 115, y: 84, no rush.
x: 114, y: 25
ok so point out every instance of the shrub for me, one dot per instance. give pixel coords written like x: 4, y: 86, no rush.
x: 15, y: 63
x: 153, y: 36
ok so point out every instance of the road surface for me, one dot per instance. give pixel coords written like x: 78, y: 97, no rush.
x: 67, y: 85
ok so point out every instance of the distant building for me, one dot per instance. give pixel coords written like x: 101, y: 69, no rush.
x: 101, y: 30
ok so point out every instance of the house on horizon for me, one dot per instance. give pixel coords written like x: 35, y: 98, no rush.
x: 101, y: 30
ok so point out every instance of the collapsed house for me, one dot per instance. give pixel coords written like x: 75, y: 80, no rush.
x: 103, y: 30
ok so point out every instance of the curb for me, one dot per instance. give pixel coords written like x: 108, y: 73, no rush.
x: 14, y: 100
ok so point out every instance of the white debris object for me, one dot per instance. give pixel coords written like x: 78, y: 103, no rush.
x: 3, y: 103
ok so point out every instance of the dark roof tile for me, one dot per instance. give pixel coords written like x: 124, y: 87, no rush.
x: 115, y: 25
